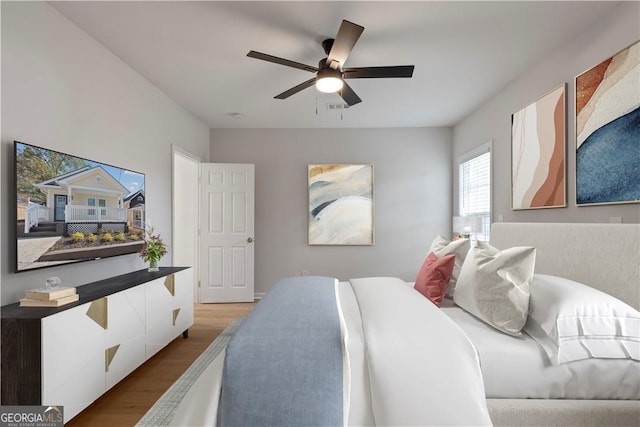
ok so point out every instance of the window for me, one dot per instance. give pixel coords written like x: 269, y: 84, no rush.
x: 138, y: 219
x: 103, y: 204
x: 91, y: 202
x: 474, y: 177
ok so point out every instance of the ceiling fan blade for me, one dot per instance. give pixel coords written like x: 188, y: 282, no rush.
x: 296, y: 89
x: 378, y: 72
x: 349, y: 95
x: 281, y: 61
x: 348, y: 35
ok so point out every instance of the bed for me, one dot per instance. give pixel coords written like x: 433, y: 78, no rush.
x: 378, y: 368
x: 603, y: 256
x: 318, y: 352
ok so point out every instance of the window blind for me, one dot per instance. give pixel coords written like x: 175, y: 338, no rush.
x: 475, y: 190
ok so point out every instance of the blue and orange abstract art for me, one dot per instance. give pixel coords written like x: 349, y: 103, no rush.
x: 608, y: 131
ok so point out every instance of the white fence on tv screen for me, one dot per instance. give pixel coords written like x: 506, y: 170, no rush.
x: 34, y: 214
x: 75, y: 213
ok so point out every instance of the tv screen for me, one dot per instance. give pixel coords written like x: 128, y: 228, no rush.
x: 70, y: 209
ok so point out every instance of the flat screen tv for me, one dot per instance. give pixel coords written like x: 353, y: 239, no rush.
x: 70, y: 209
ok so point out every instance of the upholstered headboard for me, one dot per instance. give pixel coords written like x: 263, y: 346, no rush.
x: 603, y: 256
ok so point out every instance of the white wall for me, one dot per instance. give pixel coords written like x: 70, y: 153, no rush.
x: 492, y: 121
x: 63, y: 90
x: 412, y: 196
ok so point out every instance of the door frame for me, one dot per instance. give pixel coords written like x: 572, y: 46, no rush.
x: 56, y: 206
x: 178, y: 230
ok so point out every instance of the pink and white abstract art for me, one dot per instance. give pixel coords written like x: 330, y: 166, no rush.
x: 538, y: 152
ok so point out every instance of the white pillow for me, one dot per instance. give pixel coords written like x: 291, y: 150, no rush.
x: 572, y: 321
x: 494, y: 285
x: 441, y: 247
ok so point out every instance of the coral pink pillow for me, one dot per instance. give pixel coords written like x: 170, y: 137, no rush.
x: 434, y: 275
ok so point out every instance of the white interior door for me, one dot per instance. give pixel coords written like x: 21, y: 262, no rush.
x: 227, y: 232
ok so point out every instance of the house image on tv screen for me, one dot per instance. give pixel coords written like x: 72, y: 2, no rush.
x: 94, y: 210
x: 85, y: 200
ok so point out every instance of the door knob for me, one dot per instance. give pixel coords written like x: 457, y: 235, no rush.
x: 250, y: 239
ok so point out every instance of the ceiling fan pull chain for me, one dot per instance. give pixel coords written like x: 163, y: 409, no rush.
x: 316, y: 103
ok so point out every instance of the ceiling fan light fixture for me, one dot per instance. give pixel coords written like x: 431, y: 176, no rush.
x: 329, y: 80
x: 329, y: 84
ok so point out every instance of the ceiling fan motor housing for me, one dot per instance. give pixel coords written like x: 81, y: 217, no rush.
x: 326, y: 71
x: 322, y: 64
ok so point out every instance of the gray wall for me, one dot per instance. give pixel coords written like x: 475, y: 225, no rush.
x: 412, y: 196
x: 493, y: 120
x: 63, y: 90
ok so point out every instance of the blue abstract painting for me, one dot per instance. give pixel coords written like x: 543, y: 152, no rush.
x: 608, y: 162
x: 608, y: 130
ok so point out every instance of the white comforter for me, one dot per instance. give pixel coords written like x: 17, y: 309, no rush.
x: 405, y: 363
x: 518, y: 368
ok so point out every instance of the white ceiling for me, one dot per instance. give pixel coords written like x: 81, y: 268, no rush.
x: 463, y: 52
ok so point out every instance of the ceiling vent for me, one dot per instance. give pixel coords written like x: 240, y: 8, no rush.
x: 338, y: 106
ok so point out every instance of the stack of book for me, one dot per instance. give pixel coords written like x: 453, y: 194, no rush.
x: 49, y: 297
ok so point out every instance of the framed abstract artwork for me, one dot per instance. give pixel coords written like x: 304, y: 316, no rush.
x: 538, y: 151
x: 608, y: 130
x: 341, y: 210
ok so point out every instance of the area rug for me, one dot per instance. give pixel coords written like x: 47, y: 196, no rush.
x: 161, y: 413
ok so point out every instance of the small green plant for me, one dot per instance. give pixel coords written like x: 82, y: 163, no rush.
x: 120, y: 237
x: 107, y: 237
x: 134, y: 236
x: 91, y: 237
x: 77, y: 237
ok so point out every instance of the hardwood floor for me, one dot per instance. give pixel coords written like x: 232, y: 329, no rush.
x: 130, y: 399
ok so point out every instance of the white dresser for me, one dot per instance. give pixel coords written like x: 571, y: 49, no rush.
x: 71, y: 355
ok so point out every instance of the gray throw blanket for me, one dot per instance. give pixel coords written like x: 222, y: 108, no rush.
x: 284, y: 365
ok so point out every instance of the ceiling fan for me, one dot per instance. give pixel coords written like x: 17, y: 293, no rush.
x: 330, y: 72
